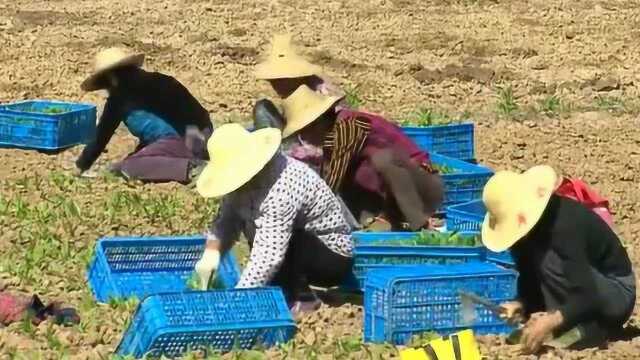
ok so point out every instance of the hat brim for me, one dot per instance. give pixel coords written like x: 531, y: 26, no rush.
x: 294, y: 125
x: 221, y: 179
x: 285, y: 69
x: 91, y: 82
x: 537, y: 186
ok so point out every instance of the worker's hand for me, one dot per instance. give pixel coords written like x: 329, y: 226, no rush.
x: 512, y: 311
x: 208, y: 264
x: 538, y: 329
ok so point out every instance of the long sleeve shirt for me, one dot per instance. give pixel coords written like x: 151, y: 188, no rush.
x: 285, y: 196
x: 584, y: 243
x: 159, y: 94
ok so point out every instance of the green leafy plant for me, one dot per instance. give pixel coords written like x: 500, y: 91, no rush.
x: 433, y: 238
x: 551, y: 106
x: 426, y: 116
x: 352, y: 98
x: 506, y: 103
x: 443, y: 169
x: 610, y: 104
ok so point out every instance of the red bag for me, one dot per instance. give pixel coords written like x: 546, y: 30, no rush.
x: 578, y: 190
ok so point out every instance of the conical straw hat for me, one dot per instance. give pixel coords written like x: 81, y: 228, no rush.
x: 282, y: 62
x: 303, y: 107
x: 110, y: 59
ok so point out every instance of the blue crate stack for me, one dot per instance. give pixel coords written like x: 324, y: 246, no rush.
x: 139, y: 266
x: 468, y: 217
x: 24, y: 124
x: 403, y: 302
x: 466, y: 183
x: 171, y: 324
x: 453, y: 140
x: 371, y: 253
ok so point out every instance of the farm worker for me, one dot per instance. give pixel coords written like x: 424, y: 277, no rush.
x: 286, y: 70
x: 293, y: 222
x: 383, y: 177
x: 575, y: 274
x: 168, y: 121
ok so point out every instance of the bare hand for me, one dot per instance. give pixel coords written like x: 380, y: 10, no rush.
x: 512, y: 311
x: 538, y: 329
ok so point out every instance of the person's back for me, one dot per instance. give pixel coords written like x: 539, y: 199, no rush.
x: 578, y: 229
x: 385, y: 134
x: 161, y: 95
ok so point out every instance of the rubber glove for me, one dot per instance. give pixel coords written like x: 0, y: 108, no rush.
x: 208, y: 264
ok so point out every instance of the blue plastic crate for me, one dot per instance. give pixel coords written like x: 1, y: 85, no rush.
x: 502, y: 258
x: 368, y: 256
x: 402, y: 302
x: 141, y: 266
x: 25, y: 124
x: 469, y: 217
x: 466, y: 216
x: 454, y: 140
x: 463, y: 185
x: 171, y: 324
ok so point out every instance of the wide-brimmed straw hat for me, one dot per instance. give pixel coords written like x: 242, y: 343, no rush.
x: 236, y: 155
x: 515, y: 203
x: 283, y: 62
x: 303, y: 107
x: 110, y: 59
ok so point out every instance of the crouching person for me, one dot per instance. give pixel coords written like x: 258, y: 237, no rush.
x: 575, y: 274
x: 296, y: 231
x: 170, y: 124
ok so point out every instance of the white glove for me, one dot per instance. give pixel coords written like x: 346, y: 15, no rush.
x: 207, y: 266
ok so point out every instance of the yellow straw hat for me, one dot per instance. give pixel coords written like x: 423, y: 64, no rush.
x: 282, y: 62
x: 303, y: 107
x: 110, y: 59
x: 236, y: 155
x: 515, y: 203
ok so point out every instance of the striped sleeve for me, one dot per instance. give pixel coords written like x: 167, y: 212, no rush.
x: 345, y: 142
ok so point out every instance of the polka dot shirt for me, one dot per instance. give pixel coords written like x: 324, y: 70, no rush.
x: 285, y: 196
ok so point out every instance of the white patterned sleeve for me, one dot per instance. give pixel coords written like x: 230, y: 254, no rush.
x: 274, y: 228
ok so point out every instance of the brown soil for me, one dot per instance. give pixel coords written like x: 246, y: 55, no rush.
x: 448, y: 55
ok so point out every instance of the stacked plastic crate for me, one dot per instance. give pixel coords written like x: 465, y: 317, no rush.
x: 414, y: 288
x: 171, y: 318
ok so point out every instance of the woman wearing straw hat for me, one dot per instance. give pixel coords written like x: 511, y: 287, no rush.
x: 575, y: 273
x: 294, y: 224
x: 286, y: 70
x: 382, y: 176
x: 168, y: 121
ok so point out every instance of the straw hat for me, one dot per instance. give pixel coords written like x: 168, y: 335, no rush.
x: 515, y: 203
x: 282, y: 62
x: 303, y: 107
x: 236, y: 155
x: 110, y: 59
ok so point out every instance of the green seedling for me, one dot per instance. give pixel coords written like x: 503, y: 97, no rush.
x: 506, y: 104
x: 551, y: 106
x: 352, y: 98
x: 428, y: 117
x: 610, y: 104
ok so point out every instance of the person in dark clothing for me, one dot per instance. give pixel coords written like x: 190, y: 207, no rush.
x: 575, y: 274
x: 170, y: 124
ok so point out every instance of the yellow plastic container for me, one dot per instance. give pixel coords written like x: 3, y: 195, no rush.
x: 458, y: 346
